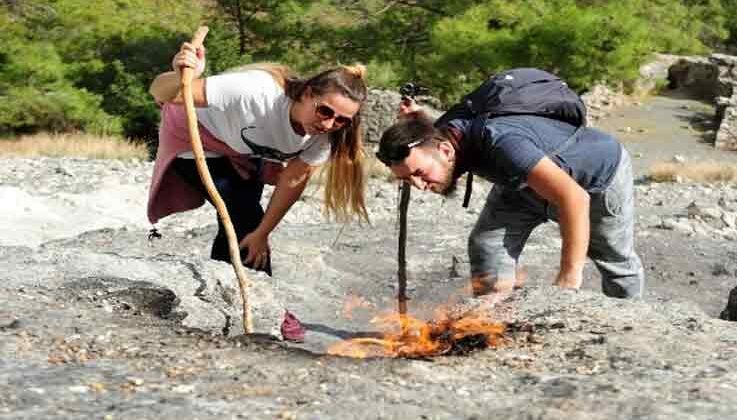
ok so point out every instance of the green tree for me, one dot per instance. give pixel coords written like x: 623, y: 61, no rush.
x: 87, y: 64
x: 107, y: 52
x: 36, y: 91
x: 730, y: 22
x: 583, y: 41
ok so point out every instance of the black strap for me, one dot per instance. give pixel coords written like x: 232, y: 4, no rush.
x: 469, y: 189
x: 477, y: 127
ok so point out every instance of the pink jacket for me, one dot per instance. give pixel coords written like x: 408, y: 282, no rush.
x: 168, y: 193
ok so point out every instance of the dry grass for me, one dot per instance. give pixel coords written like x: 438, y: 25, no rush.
x: 72, y: 145
x: 697, y: 172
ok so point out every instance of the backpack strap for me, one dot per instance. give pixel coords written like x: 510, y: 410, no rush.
x: 477, y: 129
x: 477, y: 125
x: 469, y: 189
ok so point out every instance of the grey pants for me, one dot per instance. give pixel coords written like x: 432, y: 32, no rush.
x: 509, y: 217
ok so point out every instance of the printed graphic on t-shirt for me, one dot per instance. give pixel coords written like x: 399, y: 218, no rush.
x: 265, y: 152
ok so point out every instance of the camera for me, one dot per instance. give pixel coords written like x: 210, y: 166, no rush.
x: 411, y: 90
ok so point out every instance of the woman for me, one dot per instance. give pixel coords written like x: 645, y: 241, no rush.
x: 259, y: 124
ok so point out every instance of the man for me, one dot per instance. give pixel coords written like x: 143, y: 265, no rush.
x: 585, y: 184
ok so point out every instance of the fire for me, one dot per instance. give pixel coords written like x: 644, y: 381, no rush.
x: 410, y: 337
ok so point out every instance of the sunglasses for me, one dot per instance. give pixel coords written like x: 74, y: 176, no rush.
x: 324, y: 112
x: 393, y: 154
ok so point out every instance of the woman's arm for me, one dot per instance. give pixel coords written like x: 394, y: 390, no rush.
x: 289, y: 188
x: 572, y: 201
x: 165, y: 87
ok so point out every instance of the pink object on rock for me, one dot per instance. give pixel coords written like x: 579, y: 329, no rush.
x: 292, y: 329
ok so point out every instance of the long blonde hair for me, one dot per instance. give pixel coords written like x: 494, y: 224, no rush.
x: 345, y: 177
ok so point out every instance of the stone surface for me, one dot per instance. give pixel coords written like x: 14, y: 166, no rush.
x: 726, y: 138
x: 96, y: 321
x: 712, y: 78
x: 381, y: 108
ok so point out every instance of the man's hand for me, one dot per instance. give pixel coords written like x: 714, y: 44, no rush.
x: 569, y: 280
x: 492, y: 290
x: 573, y: 204
x: 407, y: 107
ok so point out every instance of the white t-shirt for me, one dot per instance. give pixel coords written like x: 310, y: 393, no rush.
x: 249, y: 112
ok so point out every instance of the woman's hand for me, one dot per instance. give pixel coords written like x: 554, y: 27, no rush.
x: 165, y: 87
x: 189, y: 56
x: 289, y: 187
x: 258, y: 249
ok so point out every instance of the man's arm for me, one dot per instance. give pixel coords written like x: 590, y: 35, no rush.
x: 572, y: 202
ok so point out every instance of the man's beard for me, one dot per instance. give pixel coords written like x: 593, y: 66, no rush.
x: 449, y: 187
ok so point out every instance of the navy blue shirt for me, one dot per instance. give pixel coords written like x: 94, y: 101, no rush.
x: 512, y: 145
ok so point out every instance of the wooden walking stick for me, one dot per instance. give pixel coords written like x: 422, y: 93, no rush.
x: 204, y: 171
x: 402, y: 248
x: 402, y: 257
x: 408, y: 91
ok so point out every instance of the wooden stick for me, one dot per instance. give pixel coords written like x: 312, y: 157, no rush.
x: 204, y: 171
x: 402, y: 255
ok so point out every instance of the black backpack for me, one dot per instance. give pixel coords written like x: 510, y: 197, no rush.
x: 522, y: 91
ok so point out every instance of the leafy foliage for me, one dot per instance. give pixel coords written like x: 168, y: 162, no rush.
x: 583, y: 42
x: 730, y: 17
x: 85, y: 65
x: 71, y: 65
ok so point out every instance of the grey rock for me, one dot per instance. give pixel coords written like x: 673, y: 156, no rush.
x: 8, y: 320
x: 171, y: 344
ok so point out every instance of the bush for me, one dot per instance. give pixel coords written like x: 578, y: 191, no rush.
x: 584, y: 42
x: 36, y: 93
x: 72, y: 65
x: 63, y: 108
x: 87, y: 64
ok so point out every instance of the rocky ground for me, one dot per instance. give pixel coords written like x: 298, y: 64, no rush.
x: 96, y: 321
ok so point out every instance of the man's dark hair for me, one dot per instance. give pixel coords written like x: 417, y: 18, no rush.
x: 415, y: 130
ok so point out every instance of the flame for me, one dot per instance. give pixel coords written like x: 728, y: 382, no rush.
x: 406, y: 336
